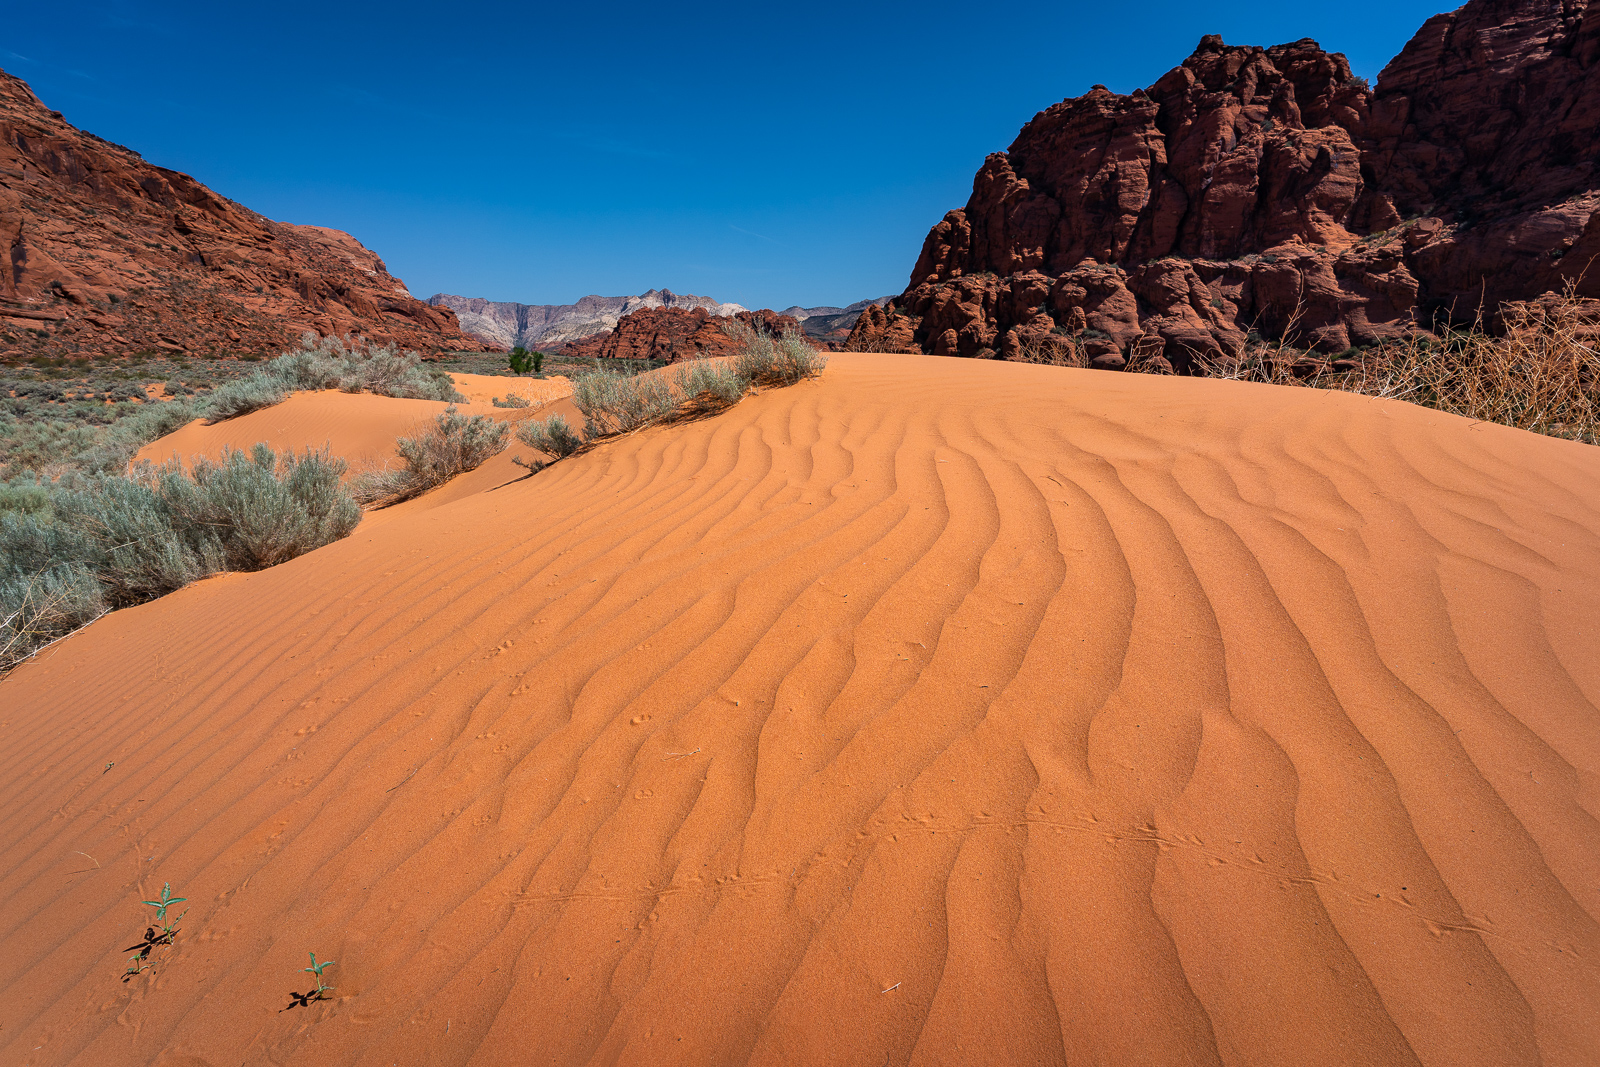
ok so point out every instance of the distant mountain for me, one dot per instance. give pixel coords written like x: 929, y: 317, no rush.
x: 831, y: 323
x: 854, y: 309
x: 547, y: 325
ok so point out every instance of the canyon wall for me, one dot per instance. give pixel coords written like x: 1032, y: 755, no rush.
x: 1270, y: 191
x: 102, y: 253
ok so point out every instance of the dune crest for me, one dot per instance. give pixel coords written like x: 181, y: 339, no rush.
x: 932, y: 712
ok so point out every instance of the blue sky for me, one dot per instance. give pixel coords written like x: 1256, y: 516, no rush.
x: 765, y: 154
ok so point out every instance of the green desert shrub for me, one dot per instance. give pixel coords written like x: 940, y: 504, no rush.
x: 554, y: 436
x: 511, y: 400
x: 25, y: 494
x: 155, y: 530
x: 41, y: 443
x: 521, y: 361
x: 453, y: 445
x: 264, y: 509
x: 615, y: 403
x: 332, y: 363
x: 244, y: 396
x: 115, y: 449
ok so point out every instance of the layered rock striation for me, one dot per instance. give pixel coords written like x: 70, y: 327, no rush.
x: 1269, y: 190
x: 509, y: 325
x: 675, y: 334
x: 102, y: 253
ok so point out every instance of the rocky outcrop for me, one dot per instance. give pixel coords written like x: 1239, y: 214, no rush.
x: 548, y: 325
x: 1269, y: 190
x: 102, y: 253
x: 675, y: 334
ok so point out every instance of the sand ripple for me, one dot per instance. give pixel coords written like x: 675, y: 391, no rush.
x: 935, y: 712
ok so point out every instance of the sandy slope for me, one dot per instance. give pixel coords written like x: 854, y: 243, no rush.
x: 361, y: 427
x: 935, y: 712
x: 483, y: 388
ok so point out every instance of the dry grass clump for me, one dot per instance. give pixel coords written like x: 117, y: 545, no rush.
x: 765, y: 359
x: 707, y: 386
x: 453, y: 445
x: 1051, y: 350
x: 1541, y: 373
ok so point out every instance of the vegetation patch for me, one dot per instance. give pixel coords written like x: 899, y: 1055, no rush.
x: 554, y: 436
x: 453, y: 445
x: 615, y: 403
x: 86, y: 543
x: 1540, y: 373
x: 333, y: 363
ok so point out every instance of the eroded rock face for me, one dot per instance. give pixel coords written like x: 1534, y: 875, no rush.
x: 675, y: 334
x: 102, y: 253
x: 1269, y: 190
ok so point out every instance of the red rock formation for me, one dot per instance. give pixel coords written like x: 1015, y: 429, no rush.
x: 675, y: 334
x: 102, y: 253
x: 1269, y: 190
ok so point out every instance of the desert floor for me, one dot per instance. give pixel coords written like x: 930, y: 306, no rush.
x: 933, y: 711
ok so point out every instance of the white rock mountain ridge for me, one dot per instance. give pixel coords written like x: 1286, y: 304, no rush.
x: 510, y: 324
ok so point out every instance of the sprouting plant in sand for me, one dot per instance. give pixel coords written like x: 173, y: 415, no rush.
x: 303, y: 1000
x: 154, y: 938
x: 167, y: 900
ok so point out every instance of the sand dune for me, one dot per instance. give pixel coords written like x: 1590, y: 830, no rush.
x: 932, y: 712
x: 483, y: 388
x: 360, y: 427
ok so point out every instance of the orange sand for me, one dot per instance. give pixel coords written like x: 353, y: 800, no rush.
x: 483, y: 388
x: 360, y: 427
x: 933, y: 712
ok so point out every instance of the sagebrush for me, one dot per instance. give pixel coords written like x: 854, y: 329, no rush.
x: 102, y: 541
x: 333, y: 363
x: 453, y: 444
x: 553, y: 436
x: 613, y: 402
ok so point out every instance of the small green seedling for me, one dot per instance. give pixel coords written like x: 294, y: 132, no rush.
x: 167, y: 900
x: 304, y: 1000
x: 153, y: 938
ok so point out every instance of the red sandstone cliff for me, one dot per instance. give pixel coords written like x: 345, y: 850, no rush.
x: 102, y: 253
x: 1269, y: 190
x: 674, y: 334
